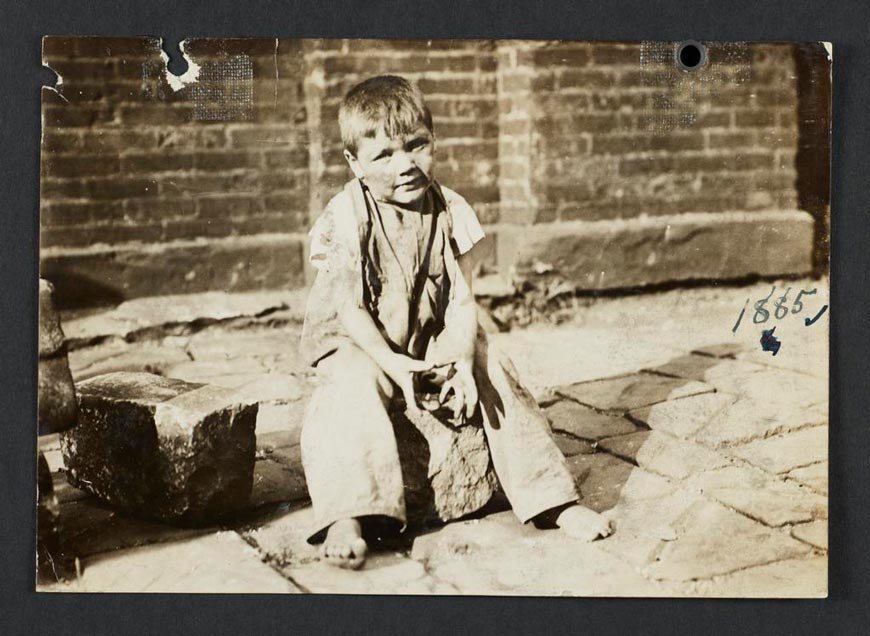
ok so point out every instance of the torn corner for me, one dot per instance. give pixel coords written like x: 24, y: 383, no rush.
x: 829, y: 47
x: 190, y: 76
x: 58, y: 83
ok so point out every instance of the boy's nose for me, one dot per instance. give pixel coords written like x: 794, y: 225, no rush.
x: 405, y: 163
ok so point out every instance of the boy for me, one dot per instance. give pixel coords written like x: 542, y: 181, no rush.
x: 393, y: 300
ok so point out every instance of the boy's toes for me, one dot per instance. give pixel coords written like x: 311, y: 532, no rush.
x: 584, y: 524
x: 343, y: 555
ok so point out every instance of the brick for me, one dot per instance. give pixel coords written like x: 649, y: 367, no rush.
x: 615, y: 54
x: 577, y: 55
x: 223, y: 160
x: 586, y: 78
x: 156, y: 162
x: 66, y: 213
x: 69, y: 116
x: 79, y: 165
x: 156, y: 115
x: 755, y: 118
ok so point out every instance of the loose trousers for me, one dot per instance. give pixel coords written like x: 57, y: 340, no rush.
x: 351, y: 459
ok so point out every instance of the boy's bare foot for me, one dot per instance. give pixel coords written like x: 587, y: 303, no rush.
x: 344, y: 546
x: 582, y: 523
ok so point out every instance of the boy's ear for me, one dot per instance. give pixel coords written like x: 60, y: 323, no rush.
x: 353, y: 162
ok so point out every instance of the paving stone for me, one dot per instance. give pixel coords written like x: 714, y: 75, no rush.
x: 278, y: 417
x: 144, y: 357
x: 232, y: 374
x: 232, y: 344
x: 722, y: 350
x: 684, y: 417
x: 778, y: 386
x: 757, y: 494
x: 736, y: 543
x: 792, y: 578
x: 814, y: 533
x: 381, y: 574
x: 162, y: 448
x: 646, y: 519
x: 281, y: 539
x: 54, y: 459
x: 664, y: 454
x: 625, y: 393
x: 571, y: 446
x: 584, y: 422
x: 600, y: 477
x: 549, y: 357
x: 783, y: 453
x: 147, y: 313
x: 719, y: 373
x: 91, y: 527
x: 273, y: 440
x: 277, y: 483
x: 814, y: 476
x: 497, y: 555
x: 751, y: 418
x: 215, y: 563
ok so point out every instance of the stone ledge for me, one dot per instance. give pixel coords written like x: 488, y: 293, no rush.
x: 109, y: 274
x: 642, y: 251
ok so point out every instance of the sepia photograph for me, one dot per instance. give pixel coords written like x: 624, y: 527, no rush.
x: 434, y: 317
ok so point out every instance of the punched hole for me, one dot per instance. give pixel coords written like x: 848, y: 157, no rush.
x: 691, y: 55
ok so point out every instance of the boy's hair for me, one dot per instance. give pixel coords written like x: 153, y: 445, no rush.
x: 384, y: 102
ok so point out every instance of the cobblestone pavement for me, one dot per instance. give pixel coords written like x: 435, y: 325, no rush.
x: 709, y: 453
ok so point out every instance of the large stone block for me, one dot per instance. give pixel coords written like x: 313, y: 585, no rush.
x: 162, y: 448
x: 652, y: 250
x: 56, y: 395
x: 446, y: 469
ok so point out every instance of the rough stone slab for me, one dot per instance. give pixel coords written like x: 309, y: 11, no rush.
x: 757, y: 494
x: 600, y: 478
x: 162, y: 448
x: 216, y: 563
x: 571, y: 446
x: 684, y: 417
x: 57, y: 409
x: 277, y: 483
x: 279, y: 418
x: 644, y: 251
x: 51, y: 336
x: 282, y: 538
x: 447, y: 471
x: 624, y: 393
x: 751, y: 418
x: 54, y: 459
x: 814, y: 476
x: 815, y: 533
x: 664, y: 454
x: 493, y: 286
x: 99, y: 274
x: 584, y: 422
x: 223, y: 344
x: 497, y: 555
x: 793, y: 578
x: 230, y: 373
x: 712, y: 540
x: 782, y: 453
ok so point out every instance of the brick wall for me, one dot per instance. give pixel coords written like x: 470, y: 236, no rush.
x: 149, y: 188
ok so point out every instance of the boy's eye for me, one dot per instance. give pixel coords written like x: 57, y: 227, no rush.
x: 381, y: 156
x: 418, y: 143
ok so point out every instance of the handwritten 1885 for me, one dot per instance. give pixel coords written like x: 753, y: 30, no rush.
x: 780, y: 308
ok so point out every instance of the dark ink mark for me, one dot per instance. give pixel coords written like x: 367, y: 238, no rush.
x: 740, y: 317
x: 769, y: 341
x: 809, y: 321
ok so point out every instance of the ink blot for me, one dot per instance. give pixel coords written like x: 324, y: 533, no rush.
x: 769, y: 342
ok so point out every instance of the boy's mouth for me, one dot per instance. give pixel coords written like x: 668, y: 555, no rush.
x: 413, y: 184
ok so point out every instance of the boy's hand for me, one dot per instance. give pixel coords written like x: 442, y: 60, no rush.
x: 464, y: 390
x: 401, y: 369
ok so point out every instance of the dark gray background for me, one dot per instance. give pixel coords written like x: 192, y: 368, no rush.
x: 845, y: 23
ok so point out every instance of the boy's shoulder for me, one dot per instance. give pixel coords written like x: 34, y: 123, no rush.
x: 452, y: 198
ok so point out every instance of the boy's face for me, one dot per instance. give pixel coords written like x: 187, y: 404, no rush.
x: 397, y: 170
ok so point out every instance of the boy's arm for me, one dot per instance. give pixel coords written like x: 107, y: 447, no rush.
x: 457, y: 344
x: 400, y: 368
